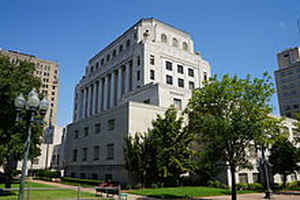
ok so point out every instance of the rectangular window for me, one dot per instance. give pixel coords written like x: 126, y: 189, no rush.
x: 97, y: 128
x: 84, y: 154
x: 86, y: 131
x: 76, y: 134
x: 110, y: 152
x: 256, y: 177
x: 138, y: 61
x: 152, y: 74
x: 152, y: 60
x: 111, y: 124
x: 243, y: 178
x: 74, y: 155
x: 180, y: 69
x: 169, y: 80
x: 96, y: 152
x: 138, y: 75
x: 168, y: 65
x: 181, y: 83
x: 191, y: 85
x: 147, y: 101
x: 205, y: 76
x: 177, y: 103
x: 191, y: 72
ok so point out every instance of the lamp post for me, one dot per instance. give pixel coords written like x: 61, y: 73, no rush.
x: 32, y: 104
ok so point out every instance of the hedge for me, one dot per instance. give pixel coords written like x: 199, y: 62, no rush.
x: 82, y: 181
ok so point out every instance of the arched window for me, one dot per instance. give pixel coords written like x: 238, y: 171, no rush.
x: 175, y: 42
x: 121, y: 48
x: 185, y: 46
x: 164, y: 38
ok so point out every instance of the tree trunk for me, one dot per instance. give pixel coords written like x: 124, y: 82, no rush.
x: 233, y: 183
x: 284, y: 180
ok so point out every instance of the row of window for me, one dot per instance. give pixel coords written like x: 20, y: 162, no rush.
x: 175, y: 43
x: 96, y: 153
x: 110, y: 126
x: 169, y: 80
x: 289, y: 72
x: 93, y: 176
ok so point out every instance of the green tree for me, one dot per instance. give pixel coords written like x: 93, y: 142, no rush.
x: 161, y: 154
x: 283, y: 158
x: 15, y: 78
x: 230, y: 115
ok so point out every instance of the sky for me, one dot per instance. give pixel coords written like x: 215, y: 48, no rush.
x: 236, y: 37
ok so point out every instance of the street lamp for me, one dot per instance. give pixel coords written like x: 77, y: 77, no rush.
x: 32, y: 104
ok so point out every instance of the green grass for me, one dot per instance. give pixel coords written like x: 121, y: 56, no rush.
x: 182, y: 192
x: 45, y: 195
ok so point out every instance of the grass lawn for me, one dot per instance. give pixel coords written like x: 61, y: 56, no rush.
x: 45, y: 195
x: 181, y: 192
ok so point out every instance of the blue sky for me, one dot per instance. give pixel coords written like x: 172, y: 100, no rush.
x: 236, y: 37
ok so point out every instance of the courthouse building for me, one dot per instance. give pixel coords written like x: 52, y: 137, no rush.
x: 140, y: 74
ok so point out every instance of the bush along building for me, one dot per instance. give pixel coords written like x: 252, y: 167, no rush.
x: 148, y: 68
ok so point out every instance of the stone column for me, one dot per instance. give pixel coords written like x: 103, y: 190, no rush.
x: 100, y: 102
x: 119, y: 90
x: 81, y: 103
x: 112, y: 89
x: 89, y: 88
x: 127, y: 78
x: 105, y: 93
x: 96, y: 100
x: 94, y: 111
x: 86, y: 102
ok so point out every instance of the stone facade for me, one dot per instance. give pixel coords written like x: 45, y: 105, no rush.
x: 139, y: 75
x: 287, y: 81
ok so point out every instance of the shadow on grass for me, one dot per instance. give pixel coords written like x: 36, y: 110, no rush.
x: 6, y: 193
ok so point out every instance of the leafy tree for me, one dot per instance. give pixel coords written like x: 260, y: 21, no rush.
x: 230, y: 115
x: 163, y: 152
x: 15, y: 78
x: 283, y: 158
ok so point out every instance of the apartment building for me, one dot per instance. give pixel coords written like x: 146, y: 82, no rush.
x: 148, y: 68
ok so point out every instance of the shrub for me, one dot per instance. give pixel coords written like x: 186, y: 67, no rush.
x: 154, y: 185
x: 242, y: 186
x: 42, y: 173
x: 250, y: 186
x: 216, y: 184
x: 77, y: 181
x: 137, y: 186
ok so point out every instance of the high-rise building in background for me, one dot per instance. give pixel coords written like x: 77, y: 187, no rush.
x: 288, y: 81
x: 48, y: 72
x: 148, y: 68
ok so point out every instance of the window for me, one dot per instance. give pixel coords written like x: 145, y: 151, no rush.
x: 180, y: 69
x: 121, y: 48
x: 96, y: 152
x: 102, y: 61
x: 76, y: 134
x: 97, y: 128
x: 73, y: 175
x: 111, y: 124
x: 147, y: 101
x: 107, y: 57
x: 205, y: 76
x: 191, y: 72
x: 164, y: 38
x: 243, y: 178
x: 84, y: 154
x: 138, y: 61
x: 127, y: 43
x: 175, y: 42
x: 97, y: 65
x: 168, y: 65
x: 74, y: 155
x: 138, y: 74
x: 191, y: 85
x: 108, y: 178
x: 256, y: 178
x: 181, y: 83
x: 177, y: 103
x: 110, y: 152
x: 169, y: 80
x: 114, y: 53
x: 53, y: 87
x: 35, y: 161
x: 152, y: 74
x: 92, y: 69
x: 185, y: 46
x: 86, y: 131
x: 135, y: 35
x: 152, y: 61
